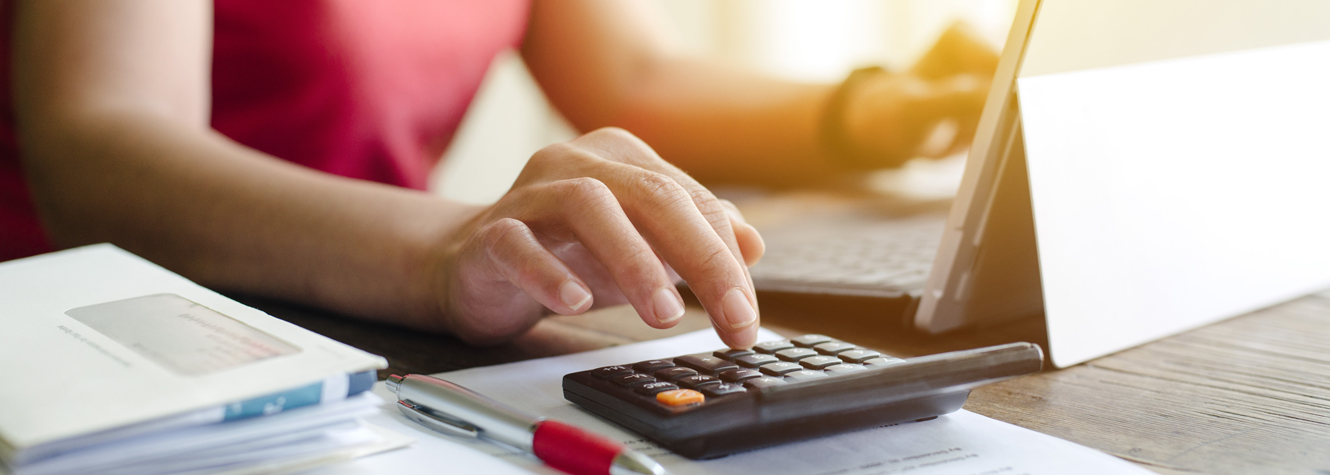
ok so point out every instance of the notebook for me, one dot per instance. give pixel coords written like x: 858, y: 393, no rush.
x: 115, y: 365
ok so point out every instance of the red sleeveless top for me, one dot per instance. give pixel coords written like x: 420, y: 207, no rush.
x: 369, y: 90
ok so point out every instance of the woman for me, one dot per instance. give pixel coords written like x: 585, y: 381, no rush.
x: 280, y: 148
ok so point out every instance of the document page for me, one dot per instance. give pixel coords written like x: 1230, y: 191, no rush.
x: 962, y: 443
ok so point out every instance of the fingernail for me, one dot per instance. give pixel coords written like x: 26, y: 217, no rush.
x: 573, y: 295
x: 668, y: 306
x: 738, y: 312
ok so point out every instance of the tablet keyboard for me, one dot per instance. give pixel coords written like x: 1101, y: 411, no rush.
x: 870, y: 257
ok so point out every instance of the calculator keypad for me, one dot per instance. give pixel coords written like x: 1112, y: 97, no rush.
x: 697, y: 381
x: 770, y: 347
x: 730, y: 354
x: 611, y: 371
x: 671, y: 374
x: 755, y: 360
x: 809, y: 341
x: 738, y: 375
x: 883, y: 361
x: 723, y: 389
x: 650, y: 366
x: 650, y: 389
x: 804, y: 375
x: 858, y: 355
x: 819, y: 362
x: 633, y: 379
x: 833, y: 347
x: 795, y: 354
x: 780, y: 368
x: 680, y: 397
x: 843, y: 368
x: 705, y: 363
x: 694, y: 379
x: 764, y: 382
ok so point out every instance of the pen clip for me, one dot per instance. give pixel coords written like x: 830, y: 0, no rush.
x: 436, y: 421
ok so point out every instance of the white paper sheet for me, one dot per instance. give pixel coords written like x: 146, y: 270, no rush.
x: 962, y: 443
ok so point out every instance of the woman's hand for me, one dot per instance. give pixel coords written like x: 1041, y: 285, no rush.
x: 959, y: 50
x: 931, y: 110
x: 599, y: 220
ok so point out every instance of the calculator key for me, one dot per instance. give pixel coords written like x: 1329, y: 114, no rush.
x: 650, y: 389
x: 611, y: 371
x: 753, y: 361
x: 650, y: 366
x: 843, y: 368
x: 779, y: 369
x: 705, y: 363
x: 718, y: 390
x: 770, y: 347
x: 671, y: 374
x: 680, y: 397
x: 697, y: 380
x: 763, y: 382
x: 810, y: 340
x: 738, y: 375
x: 730, y: 353
x: 819, y: 362
x: 633, y: 379
x: 795, y: 354
x: 881, y: 362
x: 833, y: 348
x: 858, y: 356
x: 804, y: 375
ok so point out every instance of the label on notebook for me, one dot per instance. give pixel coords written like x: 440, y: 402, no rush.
x: 180, y: 335
x: 275, y: 403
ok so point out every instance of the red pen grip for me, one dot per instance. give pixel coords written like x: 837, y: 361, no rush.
x: 574, y: 450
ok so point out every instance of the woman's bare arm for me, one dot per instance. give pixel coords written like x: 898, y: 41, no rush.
x: 112, y: 110
x: 610, y: 62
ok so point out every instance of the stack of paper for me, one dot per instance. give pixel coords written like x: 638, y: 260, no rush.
x: 113, y: 365
x: 961, y: 443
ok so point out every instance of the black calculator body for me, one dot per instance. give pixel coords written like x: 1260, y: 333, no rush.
x: 709, y: 405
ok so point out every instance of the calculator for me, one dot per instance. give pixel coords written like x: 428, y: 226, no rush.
x: 709, y: 405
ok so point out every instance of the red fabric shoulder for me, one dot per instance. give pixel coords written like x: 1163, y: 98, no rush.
x: 368, y: 90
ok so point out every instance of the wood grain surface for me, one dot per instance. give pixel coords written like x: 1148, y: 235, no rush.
x: 1247, y: 395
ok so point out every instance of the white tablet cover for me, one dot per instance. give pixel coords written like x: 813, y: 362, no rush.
x: 1178, y: 163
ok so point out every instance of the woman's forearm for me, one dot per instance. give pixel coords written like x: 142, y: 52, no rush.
x: 726, y: 124
x: 232, y: 218
x: 111, y: 101
x: 613, y: 63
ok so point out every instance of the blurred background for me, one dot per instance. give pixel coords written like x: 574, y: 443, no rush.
x: 804, y: 40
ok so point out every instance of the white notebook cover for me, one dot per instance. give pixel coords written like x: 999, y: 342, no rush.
x: 95, y: 338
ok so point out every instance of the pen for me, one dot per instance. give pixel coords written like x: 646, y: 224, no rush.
x: 452, y: 409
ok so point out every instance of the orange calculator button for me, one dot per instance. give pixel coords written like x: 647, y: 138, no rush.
x: 680, y: 397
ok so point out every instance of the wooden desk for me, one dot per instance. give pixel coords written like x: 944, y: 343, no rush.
x: 1247, y: 395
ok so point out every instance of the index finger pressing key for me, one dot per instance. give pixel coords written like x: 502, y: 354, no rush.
x: 701, y: 248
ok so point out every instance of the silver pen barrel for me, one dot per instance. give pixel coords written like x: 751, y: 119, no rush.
x: 446, y: 400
